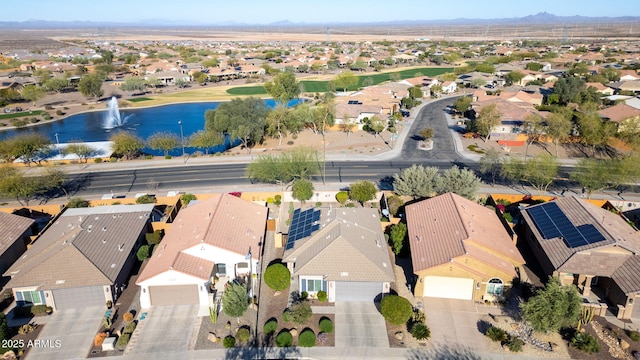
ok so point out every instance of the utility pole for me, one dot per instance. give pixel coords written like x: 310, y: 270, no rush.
x: 181, y: 137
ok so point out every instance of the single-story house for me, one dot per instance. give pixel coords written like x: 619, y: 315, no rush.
x: 83, y: 259
x: 588, y: 246
x: 15, y: 232
x: 460, y: 249
x: 217, y: 238
x: 341, y: 251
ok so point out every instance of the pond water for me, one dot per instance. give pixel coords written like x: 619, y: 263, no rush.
x: 88, y: 127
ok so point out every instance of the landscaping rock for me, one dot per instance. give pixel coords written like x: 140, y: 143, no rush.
x: 624, y: 344
x: 399, y: 335
x: 293, y: 332
x: 212, y: 337
x: 277, y: 293
x: 253, y: 307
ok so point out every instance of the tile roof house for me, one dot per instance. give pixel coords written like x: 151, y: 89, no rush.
x: 460, y: 249
x: 219, y: 237
x: 620, y: 113
x: 590, y: 247
x: 15, y: 231
x: 346, y: 256
x: 82, y: 259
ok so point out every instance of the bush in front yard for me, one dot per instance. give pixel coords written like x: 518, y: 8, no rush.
x: 270, y: 326
x: 496, y: 334
x: 284, y: 339
x: 634, y: 335
x: 277, y: 277
x: 301, y: 312
x: 322, y: 296
x: 143, y: 253
x: 396, y: 309
x: 515, y: 344
x: 127, y: 317
x: 123, y: 340
x: 307, y: 338
x: 243, y: 334
x: 420, y: 331
x: 326, y: 325
x: 585, y: 342
x: 130, y: 327
x: 229, y: 342
x: 342, y: 197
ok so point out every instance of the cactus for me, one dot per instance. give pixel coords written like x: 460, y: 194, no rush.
x: 586, y: 315
x: 213, y: 313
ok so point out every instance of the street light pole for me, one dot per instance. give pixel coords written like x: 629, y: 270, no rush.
x: 181, y: 137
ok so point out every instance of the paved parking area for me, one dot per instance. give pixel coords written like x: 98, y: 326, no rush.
x: 68, y: 334
x: 164, y: 329
x: 359, y: 324
x: 456, y: 321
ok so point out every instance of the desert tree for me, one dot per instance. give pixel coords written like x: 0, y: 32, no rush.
x: 235, y: 300
x: 283, y: 88
x: 552, y: 308
x: 126, y: 144
x: 243, y: 119
x: 164, y: 141
x: 459, y: 181
x: 488, y: 118
x: 346, y: 80
x: 302, y: 189
x: 559, y: 126
x: 539, y: 171
x: 362, y: 191
x: 417, y: 181
x: 490, y: 164
x: 81, y: 150
x: 205, y: 140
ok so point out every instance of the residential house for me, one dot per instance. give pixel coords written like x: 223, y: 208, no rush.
x: 604, y: 90
x: 449, y: 87
x: 513, y: 115
x: 460, y: 249
x: 15, y: 232
x: 620, y: 114
x: 217, y: 239
x: 341, y: 251
x: 83, y: 259
x: 588, y: 246
x: 629, y: 75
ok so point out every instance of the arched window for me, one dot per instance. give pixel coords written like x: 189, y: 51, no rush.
x: 494, y: 287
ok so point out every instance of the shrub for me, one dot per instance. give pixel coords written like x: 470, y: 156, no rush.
x: 77, y: 202
x: 284, y: 339
x: 44, y: 116
x: 59, y: 112
x: 420, y: 331
x: 187, y: 198
x: 307, y: 338
x: 127, y: 317
x: 26, y: 328
x: 301, y: 312
x: 286, y: 315
x: 496, y: 334
x: 146, y: 199
x: 113, y: 159
x: 123, y: 340
x: 342, y: 197
x: 326, y: 325
x: 515, y: 344
x: 97, y: 160
x: 143, y: 252
x: 270, y: 326
x: 634, y: 335
x: 168, y: 157
x: 270, y: 200
x: 585, y: 342
x: 277, y: 199
x: 304, y: 295
x: 277, y: 277
x: 322, y: 296
x: 350, y: 205
x: 130, y: 327
x: 418, y: 316
x: 229, y: 342
x: 32, y: 310
x: 243, y: 334
x: 396, y: 309
x: 155, y: 237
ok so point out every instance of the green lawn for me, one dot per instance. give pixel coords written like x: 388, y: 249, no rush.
x: 321, y: 86
x: 138, y: 99
x: 21, y: 114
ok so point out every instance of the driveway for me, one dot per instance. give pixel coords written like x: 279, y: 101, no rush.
x: 360, y: 324
x: 164, y: 329
x: 456, y: 321
x: 68, y: 334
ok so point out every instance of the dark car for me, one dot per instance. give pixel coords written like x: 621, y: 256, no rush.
x: 405, y: 113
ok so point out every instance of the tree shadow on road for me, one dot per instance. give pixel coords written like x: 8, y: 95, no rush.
x: 262, y: 353
x: 443, y: 352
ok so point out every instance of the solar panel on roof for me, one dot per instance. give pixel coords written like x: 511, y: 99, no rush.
x: 302, y: 225
x: 552, y: 223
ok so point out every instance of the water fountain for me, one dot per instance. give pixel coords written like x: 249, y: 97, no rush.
x: 114, y: 118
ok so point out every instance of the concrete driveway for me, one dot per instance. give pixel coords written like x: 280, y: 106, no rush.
x: 360, y: 324
x: 164, y: 329
x: 68, y: 334
x: 456, y: 321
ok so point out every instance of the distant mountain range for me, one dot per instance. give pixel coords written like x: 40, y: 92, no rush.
x: 540, y: 18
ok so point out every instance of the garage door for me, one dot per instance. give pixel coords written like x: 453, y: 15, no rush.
x: 357, y: 290
x: 77, y: 298
x: 174, y: 295
x: 448, y: 287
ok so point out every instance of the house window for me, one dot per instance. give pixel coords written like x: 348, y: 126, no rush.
x: 312, y: 286
x: 30, y: 297
x: 221, y: 269
x: 494, y: 287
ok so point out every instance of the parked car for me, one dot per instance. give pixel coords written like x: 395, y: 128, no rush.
x: 405, y: 113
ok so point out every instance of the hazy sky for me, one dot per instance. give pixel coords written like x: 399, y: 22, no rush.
x: 268, y: 11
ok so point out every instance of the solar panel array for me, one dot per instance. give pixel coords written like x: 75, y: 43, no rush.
x: 303, y: 224
x: 553, y: 223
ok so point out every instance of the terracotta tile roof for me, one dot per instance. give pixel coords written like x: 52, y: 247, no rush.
x: 614, y: 228
x: 619, y: 112
x: 349, y: 246
x: 12, y: 227
x: 448, y: 226
x: 84, y: 247
x: 223, y: 221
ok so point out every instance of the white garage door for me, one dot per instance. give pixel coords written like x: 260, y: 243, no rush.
x: 174, y: 295
x: 357, y: 290
x: 448, y: 287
